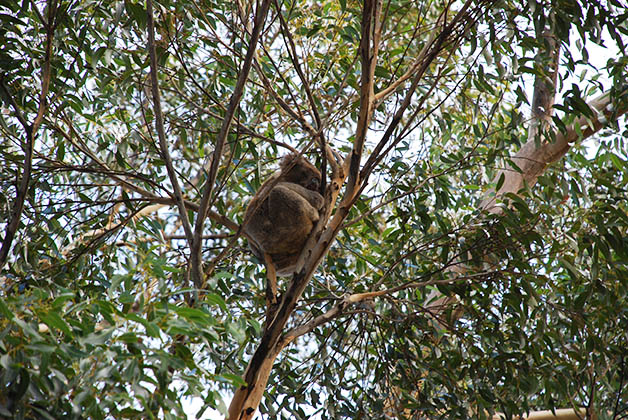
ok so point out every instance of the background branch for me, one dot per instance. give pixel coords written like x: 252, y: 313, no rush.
x: 30, y: 132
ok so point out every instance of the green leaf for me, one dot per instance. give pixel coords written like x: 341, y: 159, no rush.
x: 500, y: 181
x: 234, y: 380
x: 54, y: 320
x: 42, y: 348
x: 5, y: 311
x: 215, y: 299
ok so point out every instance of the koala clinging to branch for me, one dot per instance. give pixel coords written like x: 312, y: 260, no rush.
x: 282, y: 222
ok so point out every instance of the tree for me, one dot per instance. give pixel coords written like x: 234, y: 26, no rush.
x: 471, y: 259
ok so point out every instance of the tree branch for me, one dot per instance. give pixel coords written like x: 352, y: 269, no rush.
x: 559, y: 414
x: 450, y: 34
x: 542, y: 103
x: 533, y: 159
x: 195, y: 249
x: 344, y: 304
x: 418, y: 62
x: 369, y: 47
x: 282, y: 103
x: 159, y: 126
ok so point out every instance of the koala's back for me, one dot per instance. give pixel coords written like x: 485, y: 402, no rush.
x: 281, y: 224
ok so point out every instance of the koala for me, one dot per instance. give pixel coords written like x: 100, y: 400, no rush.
x: 281, y: 223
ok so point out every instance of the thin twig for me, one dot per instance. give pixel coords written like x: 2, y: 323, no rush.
x: 349, y: 300
x: 296, y: 116
x: 292, y: 53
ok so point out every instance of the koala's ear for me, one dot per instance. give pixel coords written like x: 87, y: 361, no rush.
x: 286, y: 160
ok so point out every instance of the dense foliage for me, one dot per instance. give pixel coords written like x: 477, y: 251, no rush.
x: 99, y: 316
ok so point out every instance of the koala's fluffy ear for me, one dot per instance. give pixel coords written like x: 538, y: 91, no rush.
x: 287, y: 160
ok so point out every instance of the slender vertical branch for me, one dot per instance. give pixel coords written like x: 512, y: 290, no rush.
x: 449, y: 36
x: 622, y: 375
x: 22, y: 187
x: 30, y: 131
x: 195, y: 251
x: 159, y: 125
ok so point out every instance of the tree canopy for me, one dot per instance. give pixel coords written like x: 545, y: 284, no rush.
x: 471, y: 260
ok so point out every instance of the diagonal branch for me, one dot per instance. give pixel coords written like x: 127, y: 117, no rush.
x: 450, y: 35
x: 555, y: 414
x: 345, y: 304
x: 247, y: 398
x: 195, y: 249
x: 542, y: 109
x: 533, y: 159
x: 416, y: 65
x: 294, y: 115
